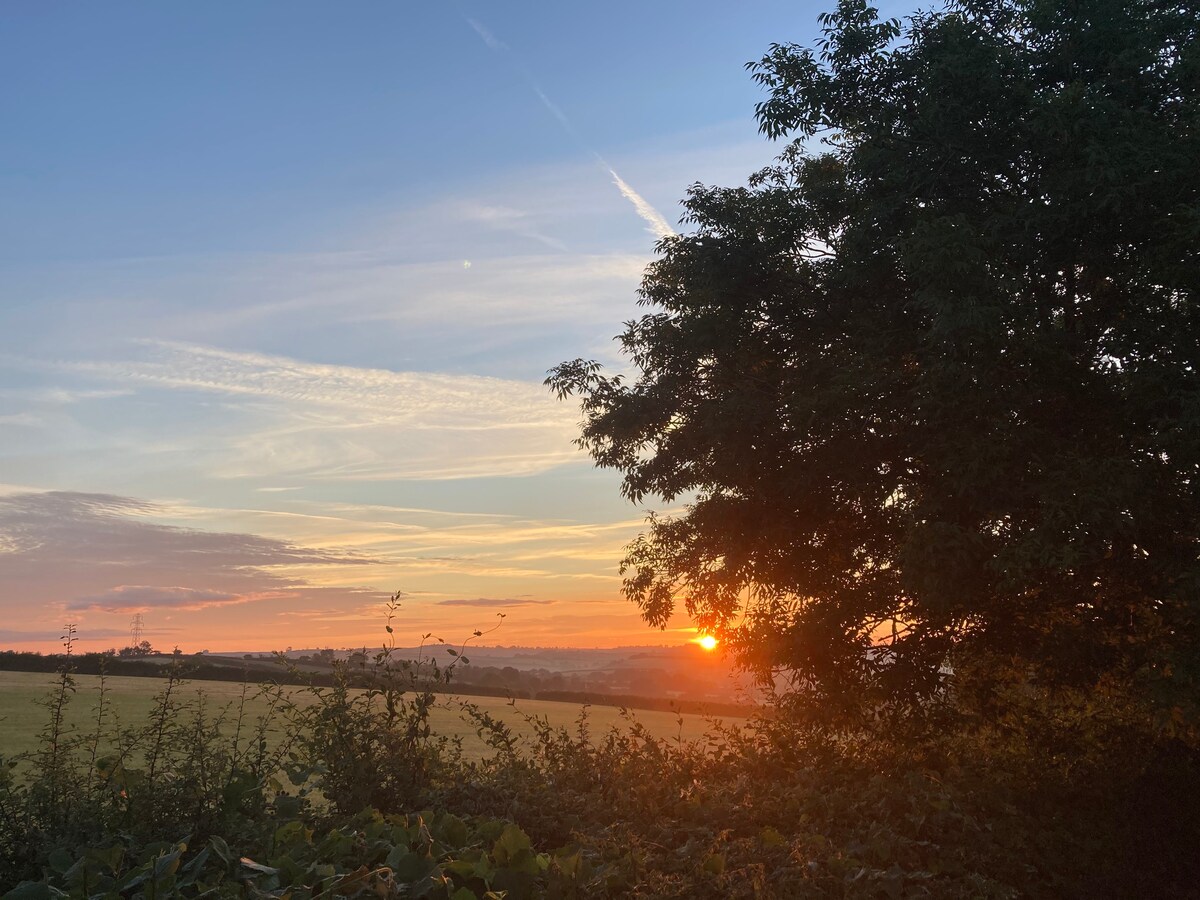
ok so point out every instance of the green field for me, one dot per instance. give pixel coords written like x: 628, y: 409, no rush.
x: 21, y: 718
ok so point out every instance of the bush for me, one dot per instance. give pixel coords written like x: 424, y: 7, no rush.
x: 347, y: 791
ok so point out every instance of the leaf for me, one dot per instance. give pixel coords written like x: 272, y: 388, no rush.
x: 221, y: 849
x: 289, y: 806
x: 258, y: 867
x: 138, y: 876
x: 32, y: 890
x: 715, y: 864
x: 293, y: 832
x: 60, y: 860
x: 195, y: 865
x: 512, y: 841
x: 460, y: 867
x: 409, y: 867
x: 351, y: 882
x: 770, y: 837
x: 569, y: 860
x: 109, y: 857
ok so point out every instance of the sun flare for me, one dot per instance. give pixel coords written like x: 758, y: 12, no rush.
x: 707, y: 641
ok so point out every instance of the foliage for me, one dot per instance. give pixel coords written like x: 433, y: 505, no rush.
x: 367, y: 741
x: 370, y: 855
x: 1066, y: 800
x: 168, y: 775
x: 142, y: 648
x: 931, y: 381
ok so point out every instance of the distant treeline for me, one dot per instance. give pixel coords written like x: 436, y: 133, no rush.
x: 665, y: 704
x: 261, y: 671
x: 198, y: 668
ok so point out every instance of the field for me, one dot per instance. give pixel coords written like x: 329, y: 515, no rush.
x: 21, y: 718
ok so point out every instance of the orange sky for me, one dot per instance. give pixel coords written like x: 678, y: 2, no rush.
x: 276, y: 308
x: 288, y: 574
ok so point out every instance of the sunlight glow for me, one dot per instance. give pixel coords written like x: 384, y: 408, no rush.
x: 707, y: 641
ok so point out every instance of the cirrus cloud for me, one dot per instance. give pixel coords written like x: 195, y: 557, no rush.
x: 128, y: 598
x: 492, y: 602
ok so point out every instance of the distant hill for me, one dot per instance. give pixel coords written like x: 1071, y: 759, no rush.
x: 686, y: 679
x: 684, y: 672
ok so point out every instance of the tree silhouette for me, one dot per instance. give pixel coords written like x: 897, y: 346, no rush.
x: 930, y: 381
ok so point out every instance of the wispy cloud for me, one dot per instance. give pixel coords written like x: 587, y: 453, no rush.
x: 655, y: 223
x: 374, y: 509
x: 382, y: 392
x: 97, y: 558
x: 288, y: 417
x: 126, y: 598
x: 23, y: 420
x: 52, y: 635
x: 491, y: 602
x: 556, y: 112
x: 508, y: 219
x: 416, y: 542
x: 488, y: 38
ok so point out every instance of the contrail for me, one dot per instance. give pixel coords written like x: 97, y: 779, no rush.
x: 488, y: 38
x: 656, y: 224
x: 556, y: 112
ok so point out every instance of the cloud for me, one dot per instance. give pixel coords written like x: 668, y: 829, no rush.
x: 77, y: 551
x: 505, y: 286
x: 655, y: 223
x: 48, y: 635
x: 374, y: 509
x: 127, y: 598
x: 506, y: 218
x: 488, y: 38
x: 289, y: 418
x: 24, y: 420
x: 489, y: 602
x: 59, y: 396
x: 555, y: 111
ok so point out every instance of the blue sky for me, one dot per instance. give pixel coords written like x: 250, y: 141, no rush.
x: 279, y: 283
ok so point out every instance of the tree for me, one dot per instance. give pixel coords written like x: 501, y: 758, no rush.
x: 142, y: 648
x: 929, y: 383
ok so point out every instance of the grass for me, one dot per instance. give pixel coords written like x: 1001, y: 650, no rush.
x: 21, y: 718
x: 1075, y: 800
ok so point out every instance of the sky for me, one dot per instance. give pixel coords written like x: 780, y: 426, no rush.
x: 279, y: 286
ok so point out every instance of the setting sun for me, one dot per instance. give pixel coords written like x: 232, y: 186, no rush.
x: 707, y: 641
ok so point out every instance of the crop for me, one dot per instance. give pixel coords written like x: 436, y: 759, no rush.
x: 350, y: 790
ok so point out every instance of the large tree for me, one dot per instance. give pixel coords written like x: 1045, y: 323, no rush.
x: 929, y: 383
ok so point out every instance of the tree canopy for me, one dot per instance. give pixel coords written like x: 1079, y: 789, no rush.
x: 928, y: 384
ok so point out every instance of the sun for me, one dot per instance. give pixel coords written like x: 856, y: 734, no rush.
x: 707, y: 641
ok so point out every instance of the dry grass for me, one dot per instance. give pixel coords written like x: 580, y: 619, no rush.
x: 21, y: 718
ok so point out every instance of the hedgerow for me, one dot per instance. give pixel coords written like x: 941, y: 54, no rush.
x: 350, y: 793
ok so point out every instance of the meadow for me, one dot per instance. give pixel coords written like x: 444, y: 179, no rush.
x: 133, y: 698
x: 401, y: 790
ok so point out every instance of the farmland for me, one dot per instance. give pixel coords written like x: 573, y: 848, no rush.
x: 21, y: 718
x: 369, y: 801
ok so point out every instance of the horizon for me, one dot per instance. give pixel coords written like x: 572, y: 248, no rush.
x: 278, y: 290
x: 689, y: 645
